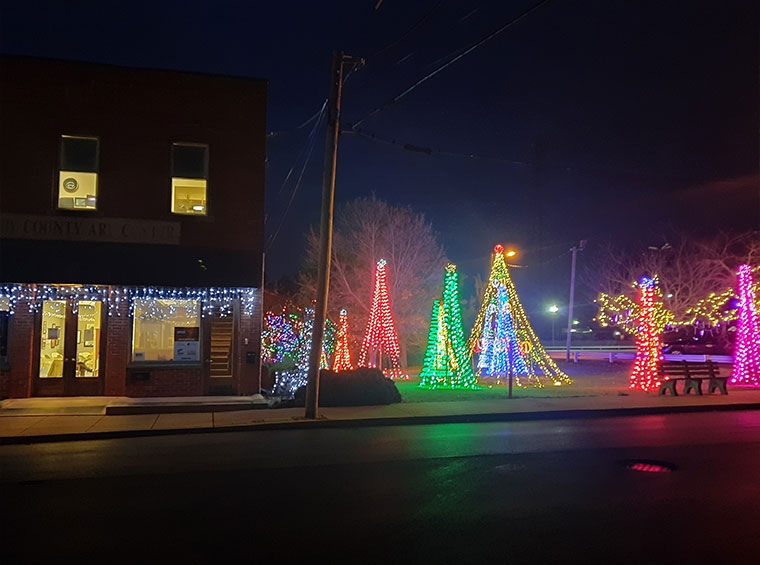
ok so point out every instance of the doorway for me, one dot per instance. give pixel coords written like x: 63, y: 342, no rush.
x: 70, y: 346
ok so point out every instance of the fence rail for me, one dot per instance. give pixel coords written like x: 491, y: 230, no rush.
x: 629, y: 353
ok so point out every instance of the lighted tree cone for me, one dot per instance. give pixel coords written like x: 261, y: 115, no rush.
x: 539, y: 365
x: 500, y: 350
x: 380, y: 336
x: 342, y: 360
x: 645, y: 374
x: 746, y: 368
x: 447, y: 361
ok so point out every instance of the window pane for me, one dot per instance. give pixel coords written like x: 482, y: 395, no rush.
x: 77, y: 190
x: 189, y: 161
x: 88, y: 338
x: 189, y: 196
x: 157, y: 323
x: 79, y: 154
x: 52, y: 338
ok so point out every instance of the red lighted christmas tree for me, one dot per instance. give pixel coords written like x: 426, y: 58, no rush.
x: 342, y: 360
x: 645, y: 374
x: 746, y: 369
x: 380, y: 337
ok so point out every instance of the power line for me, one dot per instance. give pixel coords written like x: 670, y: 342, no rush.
x: 407, y: 33
x: 309, y: 148
x: 431, y: 151
x: 303, y: 125
x: 442, y: 67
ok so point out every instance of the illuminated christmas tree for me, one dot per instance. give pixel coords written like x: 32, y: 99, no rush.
x: 500, y: 350
x: 380, y: 337
x: 447, y: 362
x: 645, y: 374
x: 538, y: 364
x: 287, y: 382
x: 746, y: 369
x: 342, y: 360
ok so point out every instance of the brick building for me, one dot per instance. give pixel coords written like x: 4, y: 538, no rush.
x: 132, y: 224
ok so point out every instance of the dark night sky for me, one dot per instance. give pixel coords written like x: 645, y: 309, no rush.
x: 589, y: 119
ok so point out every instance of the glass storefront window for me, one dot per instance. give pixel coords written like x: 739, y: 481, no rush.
x: 166, y: 330
x: 88, y: 338
x: 53, y: 338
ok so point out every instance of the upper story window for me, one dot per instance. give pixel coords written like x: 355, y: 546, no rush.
x: 189, y: 178
x: 78, y: 173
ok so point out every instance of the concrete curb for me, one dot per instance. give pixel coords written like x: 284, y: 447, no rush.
x: 127, y: 410
x: 302, y: 424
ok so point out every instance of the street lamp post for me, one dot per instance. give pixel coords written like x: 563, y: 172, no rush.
x: 574, y: 250
x: 553, y: 309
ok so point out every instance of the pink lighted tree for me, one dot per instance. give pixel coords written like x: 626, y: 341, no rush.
x: 746, y: 369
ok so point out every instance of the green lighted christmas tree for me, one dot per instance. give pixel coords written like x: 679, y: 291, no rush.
x: 535, y: 361
x: 447, y: 362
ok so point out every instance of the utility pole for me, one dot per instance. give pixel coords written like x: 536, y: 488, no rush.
x: 574, y: 250
x: 325, y: 229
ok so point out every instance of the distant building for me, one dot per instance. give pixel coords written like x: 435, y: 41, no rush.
x: 132, y: 225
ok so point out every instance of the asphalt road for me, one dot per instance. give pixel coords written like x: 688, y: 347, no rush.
x: 526, y: 492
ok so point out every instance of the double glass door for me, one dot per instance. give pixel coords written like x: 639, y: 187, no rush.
x: 70, y: 348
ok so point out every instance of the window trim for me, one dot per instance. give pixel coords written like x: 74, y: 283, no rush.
x: 132, y: 364
x: 206, y: 160
x: 57, y: 184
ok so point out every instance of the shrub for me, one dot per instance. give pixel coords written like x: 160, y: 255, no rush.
x: 360, y: 387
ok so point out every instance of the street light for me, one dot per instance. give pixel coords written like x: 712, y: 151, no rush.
x: 553, y: 309
x: 511, y: 253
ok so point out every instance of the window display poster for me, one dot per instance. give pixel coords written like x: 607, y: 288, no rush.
x: 187, y: 343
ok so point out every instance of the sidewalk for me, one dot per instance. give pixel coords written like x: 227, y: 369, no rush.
x: 41, y: 420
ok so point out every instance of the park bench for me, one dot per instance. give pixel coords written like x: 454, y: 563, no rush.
x: 692, y: 373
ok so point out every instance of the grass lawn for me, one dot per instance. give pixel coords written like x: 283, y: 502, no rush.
x: 591, y: 378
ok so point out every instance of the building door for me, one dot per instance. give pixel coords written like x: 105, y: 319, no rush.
x: 221, y: 353
x: 70, y: 348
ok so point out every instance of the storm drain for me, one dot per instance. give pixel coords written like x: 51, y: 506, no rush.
x: 649, y: 466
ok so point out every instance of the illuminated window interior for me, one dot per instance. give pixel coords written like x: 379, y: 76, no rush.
x: 188, y: 196
x: 52, y: 338
x: 89, y: 318
x: 78, y: 173
x: 189, y: 178
x: 155, y: 324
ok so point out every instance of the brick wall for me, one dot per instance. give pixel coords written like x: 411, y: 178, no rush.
x: 250, y: 327
x: 118, y: 338
x: 180, y: 381
x: 17, y: 382
x: 118, y: 378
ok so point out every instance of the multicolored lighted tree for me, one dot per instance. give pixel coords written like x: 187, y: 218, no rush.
x: 537, y: 362
x: 500, y: 352
x: 380, y: 337
x: 279, y: 335
x: 342, y: 360
x: 447, y: 362
x: 645, y: 374
x: 746, y: 369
